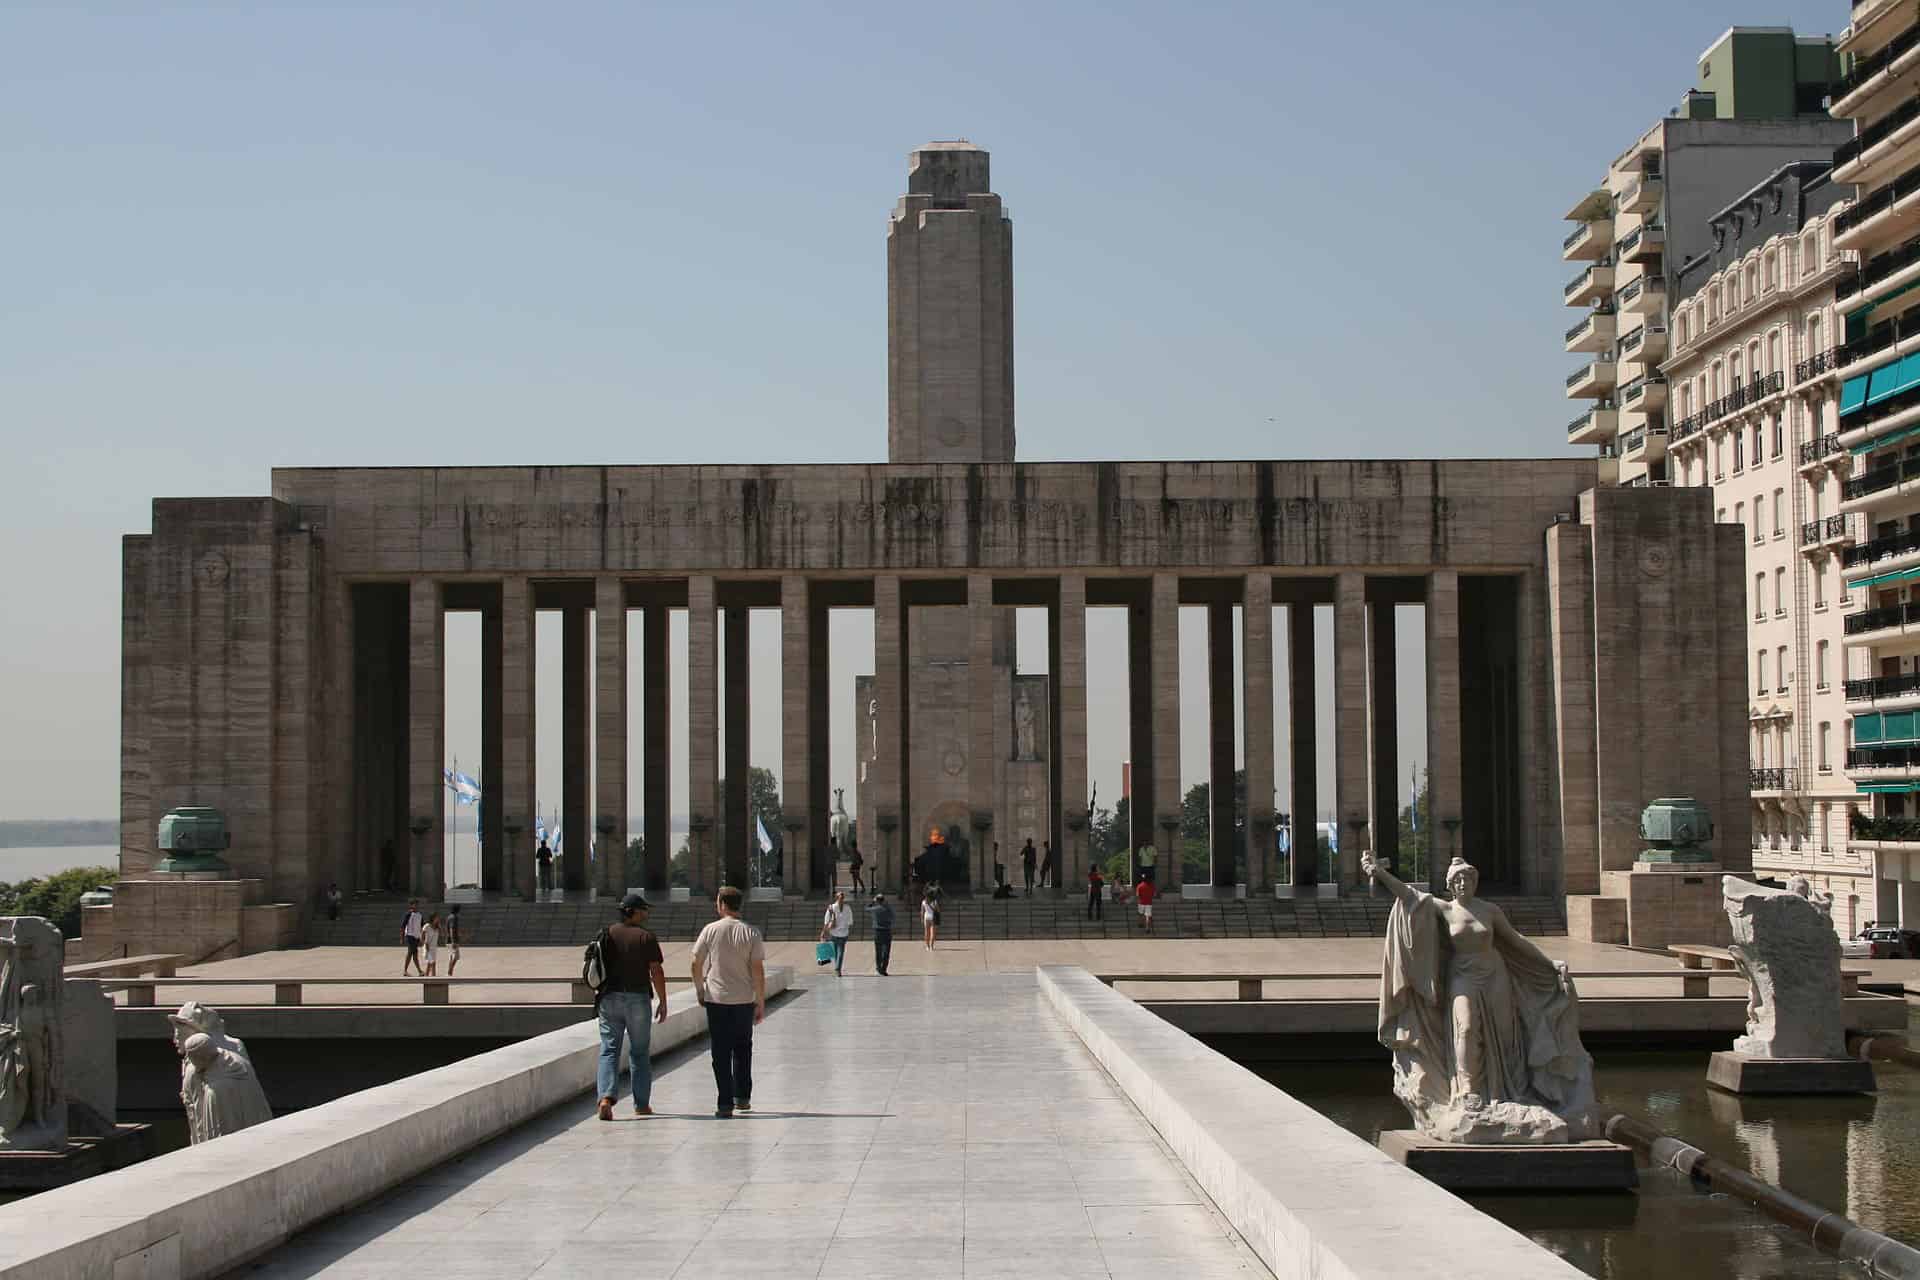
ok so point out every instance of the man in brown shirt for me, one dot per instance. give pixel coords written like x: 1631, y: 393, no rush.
x: 636, y: 975
x: 730, y: 979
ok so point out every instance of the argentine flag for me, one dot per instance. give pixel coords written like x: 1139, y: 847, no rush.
x: 766, y: 841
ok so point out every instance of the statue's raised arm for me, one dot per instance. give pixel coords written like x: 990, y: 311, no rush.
x: 1398, y: 888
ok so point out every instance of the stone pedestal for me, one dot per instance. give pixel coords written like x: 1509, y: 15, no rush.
x: 1741, y: 1073
x: 1572, y: 1166
x: 1668, y: 902
x: 85, y: 1157
x: 200, y: 919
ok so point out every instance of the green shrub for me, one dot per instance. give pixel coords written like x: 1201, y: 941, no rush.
x: 56, y: 897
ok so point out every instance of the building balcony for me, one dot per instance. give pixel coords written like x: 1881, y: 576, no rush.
x: 1643, y: 244
x: 1688, y: 426
x: 1883, y: 762
x: 1595, y: 284
x: 1591, y: 207
x: 1881, y: 690
x: 1772, y: 781
x: 1886, y: 144
x: 1645, y: 444
x: 1886, y: 212
x: 1876, y: 834
x: 1889, y: 622
x: 1869, y: 30
x: 1872, y: 73
x: 1881, y: 555
x: 1821, y: 366
x: 1597, y: 425
x: 1889, y: 482
x: 1594, y: 332
x: 1594, y: 379
x: 1647, y: 344
x: 1826, y: 533
x: 1608, y: 468
x: 1645, y: 394
x: 1643, y: 195
x: 1589, y: 241
x: 1826, y: 451
x: 1646, y: 296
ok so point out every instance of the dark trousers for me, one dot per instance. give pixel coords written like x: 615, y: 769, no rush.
x: 1026, y: 872
x: 1094, y: 905
x: 882, y: 949
x: 730, y: 1028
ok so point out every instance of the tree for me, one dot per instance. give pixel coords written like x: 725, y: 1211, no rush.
x: 763, y: 802
x: 636, y: 868
x: 1196, y: 827
x: 1416, y: 846
x: 56, y: 897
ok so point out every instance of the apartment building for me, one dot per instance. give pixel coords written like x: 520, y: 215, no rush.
x: 1753, y: 416
x: 1756, y: 106
x: 1875, y: 437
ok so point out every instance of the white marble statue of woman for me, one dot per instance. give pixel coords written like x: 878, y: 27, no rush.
x: 1484, y: 1028
x: 222, y: 1096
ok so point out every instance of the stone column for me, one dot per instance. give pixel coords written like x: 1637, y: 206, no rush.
x: 1223, y: 843
x: 657, y: 762
x: 426, y: 740
x: 739, y: 831
x: 576, y: 747
x: 796, y: 737
x: 889, y: 650
x: 1350, y: 720
x: 983, y: 712
x: 517, y: 743
x: 1070, y: 678
x: 1303, y: 737
x: 1166, y: 728
x: 493, y: 866
x: 1256, y: 679
x: 1443, y: 718
x: 1384, y: 815
x: 610, y: 735
x: 703, y: 733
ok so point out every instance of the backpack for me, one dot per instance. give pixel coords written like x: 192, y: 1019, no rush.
x: 593, y: 963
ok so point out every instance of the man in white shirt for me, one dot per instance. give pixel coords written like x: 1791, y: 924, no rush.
x: 835, y: 928
x: 411, y: 931
x: 730, y: 980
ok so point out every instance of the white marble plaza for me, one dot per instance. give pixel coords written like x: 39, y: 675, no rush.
x: 894, y: 1134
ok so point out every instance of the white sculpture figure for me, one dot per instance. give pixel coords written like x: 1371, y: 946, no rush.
x: 221, y: 1095
x: 1484, y: 1027
x: 837, y: 826
x: 33, y: 1101
x: 1783, y: 941
x: 1023, y: 725
x: 873, y: 728
x: 195, y: 1018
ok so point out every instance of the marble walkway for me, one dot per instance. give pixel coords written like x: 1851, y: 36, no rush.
x: 903, y: 1127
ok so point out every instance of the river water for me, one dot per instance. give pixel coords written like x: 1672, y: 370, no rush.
x: 1855, y: 1156
x: 30, y: 862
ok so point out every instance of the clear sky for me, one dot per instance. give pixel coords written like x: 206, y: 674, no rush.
x: 240, y: 236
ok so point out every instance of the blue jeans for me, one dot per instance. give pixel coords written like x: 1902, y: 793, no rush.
x: 839, y: 942
x: 626, y: 1012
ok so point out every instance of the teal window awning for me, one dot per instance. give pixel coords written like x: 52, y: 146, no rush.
x: 1888, y: 788
x: 1879, y: 728
x: 1882, y: 442
x: 1853, y: 393
x: 1882, y: 579
x: 1893, y: 378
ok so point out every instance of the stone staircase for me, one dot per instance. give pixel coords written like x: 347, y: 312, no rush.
x: 374, y: 920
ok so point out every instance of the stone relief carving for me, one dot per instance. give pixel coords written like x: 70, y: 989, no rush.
x: 1783, y: 941
x: 1023, y: 718
x: 1484, y: 1028
x: 33, y: 1100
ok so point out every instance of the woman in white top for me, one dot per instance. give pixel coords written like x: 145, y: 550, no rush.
x: 835, y: 927
x: 430, y: 943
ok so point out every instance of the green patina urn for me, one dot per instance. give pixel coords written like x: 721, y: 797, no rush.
x: 193, y: 837
x: 1676, y: 829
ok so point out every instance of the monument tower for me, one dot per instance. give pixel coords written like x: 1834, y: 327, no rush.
x: 950, y: 400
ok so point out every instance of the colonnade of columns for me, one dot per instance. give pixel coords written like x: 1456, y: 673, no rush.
x: 1367, y: 765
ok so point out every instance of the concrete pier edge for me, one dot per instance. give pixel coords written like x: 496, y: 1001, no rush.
x: 1308, y: 1197
x: 204, y: 1210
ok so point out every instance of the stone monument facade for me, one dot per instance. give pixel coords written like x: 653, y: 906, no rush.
x: 33, y: 1087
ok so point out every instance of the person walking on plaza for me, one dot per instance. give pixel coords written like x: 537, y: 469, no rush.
x: 1027, y: 858
x: 453, y: 938
x: 410, y: 931
x: 543, y: 868
x: 1143, y: 894
x: 730, y: 981
x: 880, y: 915
x: 930, y: 916
x: 633, y: 999
x: 333, y: 901
x: 1049, y: 873
x: 835, y: 928
x: 430, y: 943
x: 854, y: 863
x: 1095, y: 883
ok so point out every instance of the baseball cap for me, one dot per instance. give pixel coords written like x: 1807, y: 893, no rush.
x: 633, y: 902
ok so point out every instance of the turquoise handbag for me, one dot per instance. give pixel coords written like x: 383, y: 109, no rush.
x: 823, y: 953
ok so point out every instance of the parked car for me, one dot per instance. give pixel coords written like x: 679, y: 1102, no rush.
x: 1885, y: 942
x: 1856, y: 949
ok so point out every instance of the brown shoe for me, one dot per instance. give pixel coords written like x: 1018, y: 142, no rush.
x: 606, y: 1108
x: 643, y: 1111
